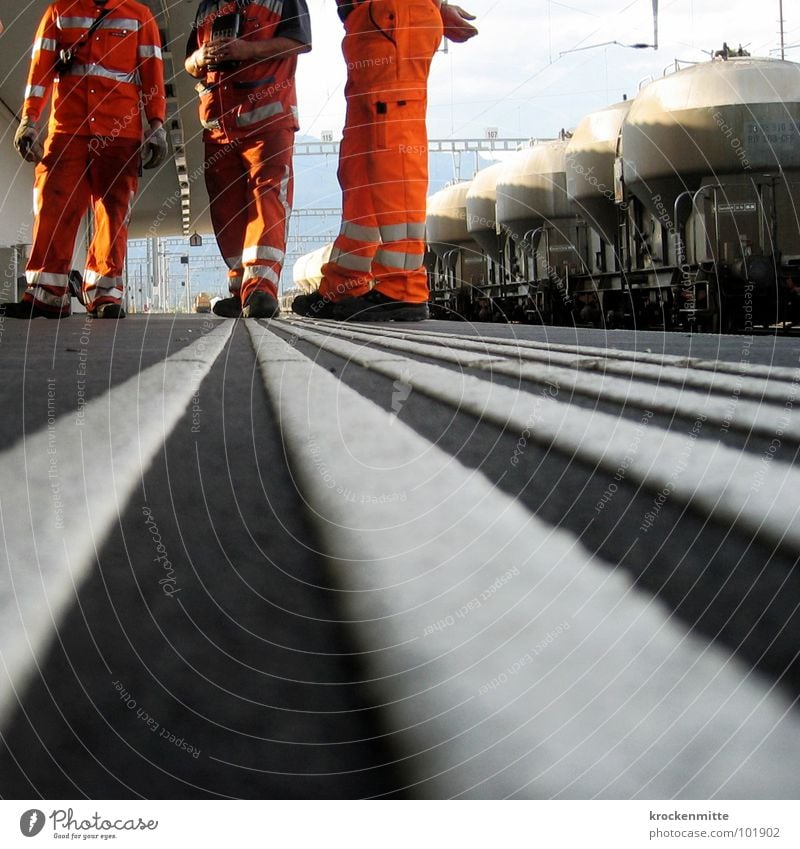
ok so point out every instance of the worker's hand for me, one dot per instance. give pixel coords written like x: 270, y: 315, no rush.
x: 201, y: 58
x: 26, y: 141
x: 456, y: 28
x: 232, y: 50
x: 154, y: 149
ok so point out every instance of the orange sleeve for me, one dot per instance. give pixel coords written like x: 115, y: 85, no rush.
x: 42, y: 68
x: 151, y: 71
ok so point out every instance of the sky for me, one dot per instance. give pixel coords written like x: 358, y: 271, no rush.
x: 513, y: 77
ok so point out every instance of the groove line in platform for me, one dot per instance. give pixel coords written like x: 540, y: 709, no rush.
x: 81, y: 469
x: 722, y: 380
x: 591, y: 354
x: 670, y: 688
x: 755, y: 493
x: 742, y: 416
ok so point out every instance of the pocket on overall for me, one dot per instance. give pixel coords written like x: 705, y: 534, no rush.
x: 370, y: 46
x: 418, y: 35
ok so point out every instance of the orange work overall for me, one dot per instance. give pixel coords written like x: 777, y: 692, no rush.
x: 249, y: 113
x: 383, y: 159
x: 91, y: 158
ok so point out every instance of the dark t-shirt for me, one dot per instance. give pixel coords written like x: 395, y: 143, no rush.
x: 295, y: 23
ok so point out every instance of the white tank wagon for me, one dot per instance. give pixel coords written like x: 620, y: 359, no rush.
x: 455, y: 260
x: 502, y: 286
x: 446, y: 223
x: 534, y: 208
x: 678, y: 210
x: 595, y: 196
x: 307, y: 271
x: 482, y: 211
x: 590, y: 159
x: 532, y: 189
x: 711, y: 153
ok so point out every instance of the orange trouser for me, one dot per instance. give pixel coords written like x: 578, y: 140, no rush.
x: 383, y: 159
x: 78, y: 172
x: 250, y: 186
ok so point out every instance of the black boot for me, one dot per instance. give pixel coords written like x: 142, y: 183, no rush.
x: 228, y: 307
x: 28, y: 310
x: 261, y: 304
x: 109, y: 311
x: 313, y: 305
x: 375, y: 306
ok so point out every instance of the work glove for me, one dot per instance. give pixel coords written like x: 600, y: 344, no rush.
x: 454, y: 21
x: 154, y: 149
x: 26, y: 141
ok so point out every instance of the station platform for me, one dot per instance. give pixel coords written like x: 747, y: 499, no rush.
x: 305, y: 559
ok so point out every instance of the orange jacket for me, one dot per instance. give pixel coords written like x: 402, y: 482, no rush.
x: 254, y: 96
x: 114, y: 74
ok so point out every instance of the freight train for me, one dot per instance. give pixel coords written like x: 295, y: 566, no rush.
x: 678, y: 209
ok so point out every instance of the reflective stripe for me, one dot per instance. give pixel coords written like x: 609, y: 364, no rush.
x: 257, y: 271
x: 234, y: 262
x: 397, y: 232
x: 35, y: 91
x: 131, y: 196
x: 46, y: 278
x: 275, y: 6
x: 107, y: 23
x: 211, y: 125
x: 283, y: 197
x: 149, y: 51
x: 44, y: 297
x: 262, y: 252
x: 95, y: 280
x: 44, y: 44
x: 256, y: 115
x: 359, y: 232
x: 94, y: 70
x: 353, y: 262
x: 120, y: 23
x: 400, y: 260
x: 73, y: 23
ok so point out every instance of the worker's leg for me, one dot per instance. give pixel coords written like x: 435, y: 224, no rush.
x: 226, y: 181
x: 270, y: 190
x: 348, y: 272
x: 114, y: 177
x: 61, y: 197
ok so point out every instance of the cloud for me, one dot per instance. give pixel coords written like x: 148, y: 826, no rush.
x: 512, y: 75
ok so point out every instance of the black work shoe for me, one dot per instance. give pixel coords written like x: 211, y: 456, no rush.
x: 375, y: 306
x: 313, y: 305
x: 75, y: 285
x: 261, y: 304
x: 28, y: 310
x: 228, y: 307
x: 109, y: 311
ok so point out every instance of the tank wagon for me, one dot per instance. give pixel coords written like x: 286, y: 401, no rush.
x: 455, y: 262
x: 677, y: 209
x: 306, y: 275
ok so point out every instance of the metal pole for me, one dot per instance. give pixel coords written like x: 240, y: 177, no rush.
x: 780, y: 12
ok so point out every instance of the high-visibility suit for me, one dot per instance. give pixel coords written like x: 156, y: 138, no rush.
x: 383, y: 159
x: 249, y: 115
x: 92, y: 154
